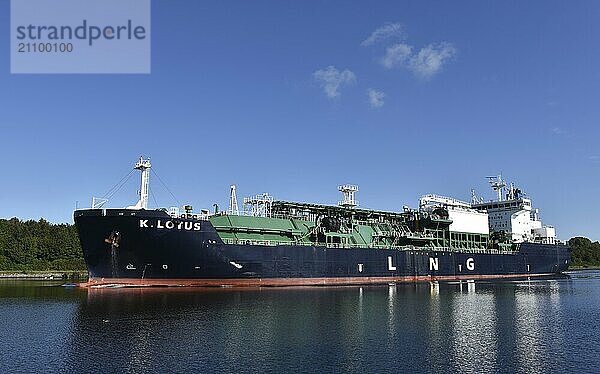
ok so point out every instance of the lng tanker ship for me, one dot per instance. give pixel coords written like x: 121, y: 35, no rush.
x: 280, y: 243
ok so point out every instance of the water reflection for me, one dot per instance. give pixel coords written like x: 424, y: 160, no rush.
x: 529, y: 337
x: 433, y: 328
x: 390, y: 310
x: 537, y: 319
x: 474, y: 329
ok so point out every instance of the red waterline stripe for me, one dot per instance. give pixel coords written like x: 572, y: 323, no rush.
x: 282, y: 282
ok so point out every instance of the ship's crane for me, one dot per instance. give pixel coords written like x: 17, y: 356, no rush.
x: 144, y: 166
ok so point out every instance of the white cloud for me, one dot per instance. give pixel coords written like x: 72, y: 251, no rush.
x: 430, y: 60
x: 375, y: 98
x: 396, y: 55
x: 425, y: 63
x: 390, y: 30
x: 331, y: 80
x: 556, y: 130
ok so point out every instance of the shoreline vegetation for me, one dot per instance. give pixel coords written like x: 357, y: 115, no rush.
x: 28, y: 246
x: 44, y: 275
x: 43, y: 250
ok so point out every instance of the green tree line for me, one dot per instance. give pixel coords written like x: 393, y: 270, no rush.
x: 584, y: 252
x: 39, y: 245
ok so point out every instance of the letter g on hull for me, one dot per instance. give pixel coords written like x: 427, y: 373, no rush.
x: 470, y: 263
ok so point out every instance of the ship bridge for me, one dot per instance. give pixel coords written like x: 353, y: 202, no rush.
x: 513, y: 213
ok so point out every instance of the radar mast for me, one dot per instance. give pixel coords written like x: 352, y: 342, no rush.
x: 498, y: 185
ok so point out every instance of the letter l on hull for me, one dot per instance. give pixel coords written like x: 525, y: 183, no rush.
x: 391, y: 266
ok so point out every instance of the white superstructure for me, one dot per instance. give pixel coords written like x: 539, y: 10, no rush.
x: 464, y: 218
x: 511, y: 213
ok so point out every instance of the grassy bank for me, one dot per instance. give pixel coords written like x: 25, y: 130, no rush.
x: 584, y: 267
x: 47, y: 274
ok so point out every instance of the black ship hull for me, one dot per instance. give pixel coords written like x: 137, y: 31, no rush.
x: 151, y: 248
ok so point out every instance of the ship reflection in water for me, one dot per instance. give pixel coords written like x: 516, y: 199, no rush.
x: 544, y: 325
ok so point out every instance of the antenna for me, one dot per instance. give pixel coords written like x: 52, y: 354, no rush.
x: 143, y: 166
x: 511, y: 191
x: 233, y: 205
x: 498, y: 185
x: 348, y: 191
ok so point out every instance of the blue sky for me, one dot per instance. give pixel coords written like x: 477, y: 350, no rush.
x: 444, y: 94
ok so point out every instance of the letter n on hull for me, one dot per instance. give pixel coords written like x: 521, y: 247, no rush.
x: 433, y: 264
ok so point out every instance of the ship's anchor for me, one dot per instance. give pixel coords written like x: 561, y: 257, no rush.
x: 113, y: 239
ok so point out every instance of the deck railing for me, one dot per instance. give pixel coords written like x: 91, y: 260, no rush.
x: 372, y: 246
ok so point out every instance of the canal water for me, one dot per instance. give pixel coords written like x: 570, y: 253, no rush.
x: 526, y: 326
